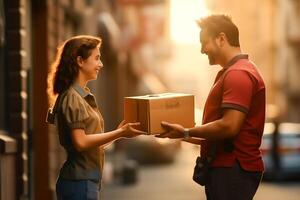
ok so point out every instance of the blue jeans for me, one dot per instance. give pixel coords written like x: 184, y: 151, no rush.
x: 77, y: 190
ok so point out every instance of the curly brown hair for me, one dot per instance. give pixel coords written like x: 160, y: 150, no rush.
x: 65, y: 69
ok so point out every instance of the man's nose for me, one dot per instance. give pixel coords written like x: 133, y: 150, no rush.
x: 202, y: 50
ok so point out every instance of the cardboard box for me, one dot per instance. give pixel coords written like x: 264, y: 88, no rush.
x: 151, y: 110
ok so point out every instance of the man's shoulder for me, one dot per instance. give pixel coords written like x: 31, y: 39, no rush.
x: 245, y: 65
x: 248, y: 67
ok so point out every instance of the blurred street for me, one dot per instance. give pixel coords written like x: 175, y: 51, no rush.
x: 174, y: 182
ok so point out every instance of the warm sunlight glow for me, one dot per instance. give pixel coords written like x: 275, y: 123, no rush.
x: 184, y: 14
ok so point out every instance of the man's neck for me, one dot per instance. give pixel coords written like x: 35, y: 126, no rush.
x: 229, y: 55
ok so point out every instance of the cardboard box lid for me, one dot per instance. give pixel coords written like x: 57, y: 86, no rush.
x: 160, y: 96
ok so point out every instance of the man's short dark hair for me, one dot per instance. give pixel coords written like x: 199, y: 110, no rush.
x: 218, y: 23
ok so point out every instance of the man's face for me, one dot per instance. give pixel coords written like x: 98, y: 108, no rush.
x: 209, y: 47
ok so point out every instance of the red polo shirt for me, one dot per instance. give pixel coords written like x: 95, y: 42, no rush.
x: 238, y: 86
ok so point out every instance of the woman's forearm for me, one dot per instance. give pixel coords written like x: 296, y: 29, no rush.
x: 83, y: 141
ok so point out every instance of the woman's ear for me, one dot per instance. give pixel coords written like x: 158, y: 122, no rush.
x: 79, y: 61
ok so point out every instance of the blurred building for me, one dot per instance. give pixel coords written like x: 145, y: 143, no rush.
x: 270, y: 33
x: 30, y: 31
x: 287, y: 60
x: 255, y: 20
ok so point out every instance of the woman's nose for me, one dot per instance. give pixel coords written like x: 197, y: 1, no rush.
x: 100, y: 63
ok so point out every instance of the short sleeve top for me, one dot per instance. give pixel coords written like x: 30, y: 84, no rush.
x: 238, y: 86
x: 79, y: 110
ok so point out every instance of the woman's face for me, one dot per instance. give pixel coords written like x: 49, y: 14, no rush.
x: 90, y: 67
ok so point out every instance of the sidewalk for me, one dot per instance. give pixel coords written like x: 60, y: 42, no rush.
x: 167, y: 182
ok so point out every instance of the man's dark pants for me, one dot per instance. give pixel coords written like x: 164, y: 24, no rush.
x: 232, y: 183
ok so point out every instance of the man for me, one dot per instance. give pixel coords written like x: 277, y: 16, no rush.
x: 233, y: 118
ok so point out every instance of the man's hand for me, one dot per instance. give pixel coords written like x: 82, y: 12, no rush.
x: 173, y: 131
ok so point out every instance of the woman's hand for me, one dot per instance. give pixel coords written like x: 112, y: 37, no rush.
x: 121, y: 124
x: 130, y: 130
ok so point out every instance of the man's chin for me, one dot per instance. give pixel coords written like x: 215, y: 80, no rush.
x: 212, y: 62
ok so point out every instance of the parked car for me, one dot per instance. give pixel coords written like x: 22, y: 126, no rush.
x: 281, y: 151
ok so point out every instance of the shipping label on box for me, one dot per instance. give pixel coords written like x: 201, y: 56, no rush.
x: 151, y: 110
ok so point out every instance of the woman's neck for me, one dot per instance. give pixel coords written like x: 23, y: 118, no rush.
x: 81, y: 82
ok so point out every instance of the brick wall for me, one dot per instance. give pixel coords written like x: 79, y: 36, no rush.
x: 16, y: 77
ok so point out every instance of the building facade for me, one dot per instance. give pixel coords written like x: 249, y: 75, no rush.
x: 30, y: 32
x: 270, y: 33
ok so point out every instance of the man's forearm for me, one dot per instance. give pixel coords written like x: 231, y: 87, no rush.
x: 213, y: 131
x: 226, y: 127
x: 191, y: 140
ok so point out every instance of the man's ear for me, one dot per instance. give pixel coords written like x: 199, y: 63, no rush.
x: 222, y: 39
x: 79, y: 61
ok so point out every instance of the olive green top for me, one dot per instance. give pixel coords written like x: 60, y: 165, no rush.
x: 79, y: 110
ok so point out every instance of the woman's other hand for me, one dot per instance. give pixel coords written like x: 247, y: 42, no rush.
x: 121, y: 124
x: 130, y: 130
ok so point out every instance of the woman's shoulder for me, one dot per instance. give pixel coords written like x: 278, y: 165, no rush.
x: 73, y: 107
x: 72, y: 93
x: 72, y: 97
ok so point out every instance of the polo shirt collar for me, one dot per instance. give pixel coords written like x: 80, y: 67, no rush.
x: 235, y: 59
x: 82, y: 92
x: 86, y: 94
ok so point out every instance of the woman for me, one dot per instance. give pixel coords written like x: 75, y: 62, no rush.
x: 80, y: 124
